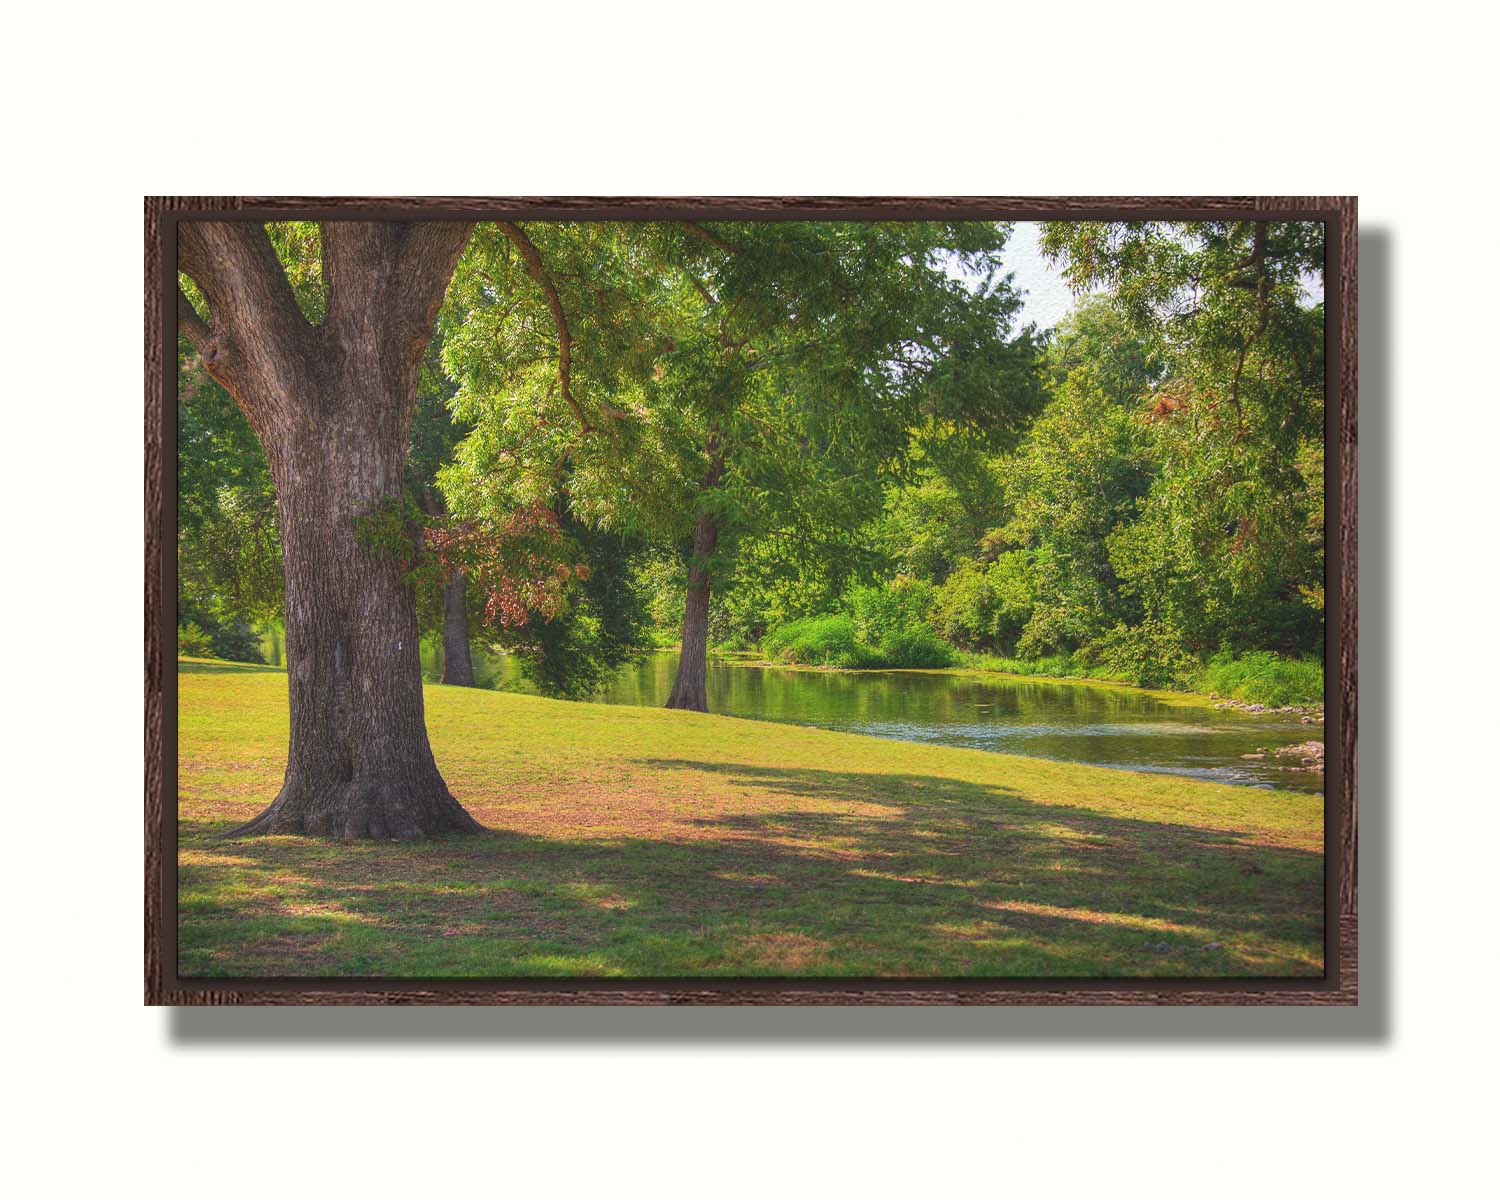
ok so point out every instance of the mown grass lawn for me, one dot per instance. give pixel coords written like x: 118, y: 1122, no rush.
x: 642, y: 842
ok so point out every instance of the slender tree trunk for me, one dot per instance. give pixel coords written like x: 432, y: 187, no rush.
x: 458, y: 664
x: 690, y: 688
x: 332, y: 406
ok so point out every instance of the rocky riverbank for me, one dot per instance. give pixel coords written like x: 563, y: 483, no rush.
x: 1310, y: 714
x: 1310, y: 754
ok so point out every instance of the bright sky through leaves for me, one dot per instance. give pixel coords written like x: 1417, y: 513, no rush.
x: 1045, y: 294
x: 1046, y: 298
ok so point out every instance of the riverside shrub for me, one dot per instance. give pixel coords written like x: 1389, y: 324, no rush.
x: 834, y: 640
x: 1262, y: 677
x: 824, y: 641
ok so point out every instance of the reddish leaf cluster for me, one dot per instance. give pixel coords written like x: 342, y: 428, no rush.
x: 1170, y: 402
x: 523, y: 564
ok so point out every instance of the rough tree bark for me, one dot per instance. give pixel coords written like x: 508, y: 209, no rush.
x: 458, y: 664
x: 332, y: 405
x: 690, y: 687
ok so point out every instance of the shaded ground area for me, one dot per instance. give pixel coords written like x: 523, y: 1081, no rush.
x: 642, y: 842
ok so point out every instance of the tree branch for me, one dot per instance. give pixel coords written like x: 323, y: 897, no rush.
x: 429, y: 254
x: 358, y: 257
x: 394, y: 273
x: 698, y: 286
x: 249, y: 297
x: 537, y: 269
x: 236, y: 267
x: 708, y: 235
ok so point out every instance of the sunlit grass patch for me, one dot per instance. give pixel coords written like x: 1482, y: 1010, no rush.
x: 646, y: 843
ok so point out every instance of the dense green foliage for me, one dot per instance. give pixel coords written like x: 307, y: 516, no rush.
x: 879, y: 627
x: 772, y: 378
x: 1262, y: 677
x: 816, y: 641
x: 896, y: 475
x: 1161, y: 523
x: 228, y: 547
x: 603, y: 626
x: 1227, y: 549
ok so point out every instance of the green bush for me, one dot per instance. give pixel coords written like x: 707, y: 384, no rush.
x: 193, y: 641
x: 1054, y: 666
x: 237, y: 643
x: 966, y: 608
x: 1147, y: 655
x: 914, y: 647
x: 1261, y: 677
x: 984, y: 606
x: 214, y: 634
x: 880, y: 612
x: 826, y: 641
x: 832, y: 640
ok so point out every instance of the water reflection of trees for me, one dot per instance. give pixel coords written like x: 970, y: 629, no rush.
x: 1073, y: 722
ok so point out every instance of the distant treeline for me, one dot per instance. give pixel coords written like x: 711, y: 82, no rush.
x: 1144, y: 505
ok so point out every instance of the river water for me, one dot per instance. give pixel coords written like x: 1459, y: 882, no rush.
x: 1070, y: 722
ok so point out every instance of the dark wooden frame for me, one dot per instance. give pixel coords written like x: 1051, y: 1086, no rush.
x: 1339, y: 986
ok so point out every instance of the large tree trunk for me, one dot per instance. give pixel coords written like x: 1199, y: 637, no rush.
x: 458, y: 664
x: 359, y: 763
x: 332, y: 406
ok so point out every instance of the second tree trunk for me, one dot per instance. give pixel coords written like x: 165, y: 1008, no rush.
x: 690, y: 690
x: 458, y: 664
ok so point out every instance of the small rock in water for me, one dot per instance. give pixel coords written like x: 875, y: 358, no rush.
x: 1214, y: 946
x: 1261, y: 754
x: 1311, y: 753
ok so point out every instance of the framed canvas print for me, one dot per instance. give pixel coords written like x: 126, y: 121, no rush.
x: 750, y: 600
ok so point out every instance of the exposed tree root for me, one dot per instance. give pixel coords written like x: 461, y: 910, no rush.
x: 358, y: 809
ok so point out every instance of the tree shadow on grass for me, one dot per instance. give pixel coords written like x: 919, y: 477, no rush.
x: 1066, y: 874
x: 888, y: 875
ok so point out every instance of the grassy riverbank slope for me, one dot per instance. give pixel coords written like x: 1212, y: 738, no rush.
x: 641, y: 842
